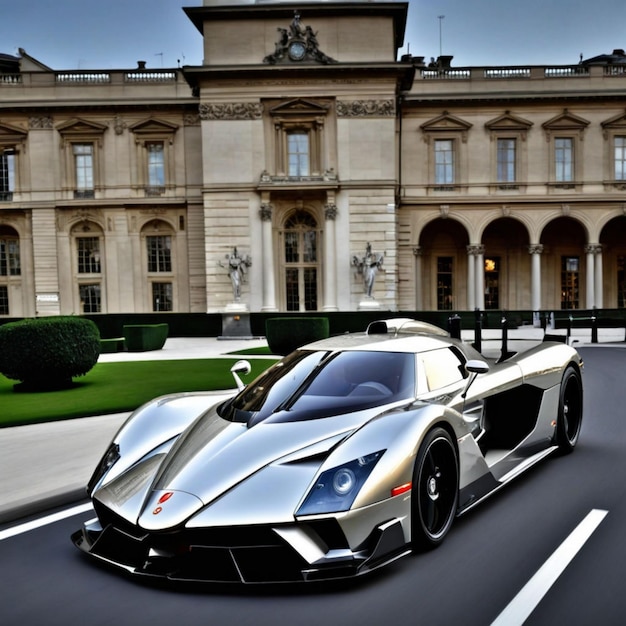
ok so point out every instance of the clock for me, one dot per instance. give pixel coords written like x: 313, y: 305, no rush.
x: 297, y: 50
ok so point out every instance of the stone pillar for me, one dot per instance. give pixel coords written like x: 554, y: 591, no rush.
x: 590, y: 251
x: 330, y: 259
x: 471, y: 279
x: 535, y: 250
x: 599, y: 278
x: 269, y: 280
x: 419, y: 290
x: 480, y: 277
x: 476, y: 277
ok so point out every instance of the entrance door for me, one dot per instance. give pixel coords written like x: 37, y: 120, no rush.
x: 300, y: 262
x: 569, y: 282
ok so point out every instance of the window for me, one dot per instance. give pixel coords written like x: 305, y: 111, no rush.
x: 298, y: 153
x: 7, y: 175
x: 298, y: 128
x: 444, y: 283
x: 9, y: 253
x: 156, y: 164
x: 506, y: 160
x: 492, y: 279
x: 443, y: 367
x: 83, y: 170
x: 564, y: 159
x: 619, y: 159
x: 88, y: 249
x: 154, y: 142
x: 90, y: 300
x: 162, y: 297
x: 159, y: 248
x: 444, y: 162
x: 569, y: 282
x: 4, y: 300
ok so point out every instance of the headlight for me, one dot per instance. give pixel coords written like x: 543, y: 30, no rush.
x: 336, y: 488
x: 109, y: 459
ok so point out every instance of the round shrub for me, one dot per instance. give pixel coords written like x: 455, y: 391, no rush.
x: 47, y: 352
x: 285, y: 334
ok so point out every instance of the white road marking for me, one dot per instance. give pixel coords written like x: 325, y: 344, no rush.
x: 525, y: 602
x: 44, y: 521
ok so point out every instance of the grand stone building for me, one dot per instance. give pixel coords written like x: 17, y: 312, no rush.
x: 301, y: 144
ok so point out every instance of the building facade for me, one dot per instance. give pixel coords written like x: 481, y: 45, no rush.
x: 341, y: 177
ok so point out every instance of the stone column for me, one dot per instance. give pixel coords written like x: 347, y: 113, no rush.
x: 419, y: 290
x: 269, y: 281
x: 475, y: 277
x: 590, y: 251
x: 599, y: 278
x: 471, y: 279
x: 480, y: 277
x: 330, y: 259
x: 535, y: 250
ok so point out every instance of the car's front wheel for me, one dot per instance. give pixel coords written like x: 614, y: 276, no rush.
x: 435, y: 489
x: 569, y: 419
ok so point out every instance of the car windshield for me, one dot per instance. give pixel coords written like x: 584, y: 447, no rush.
x: 310, y: 385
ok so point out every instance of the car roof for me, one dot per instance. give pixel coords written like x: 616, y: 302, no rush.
x: 396, y: 335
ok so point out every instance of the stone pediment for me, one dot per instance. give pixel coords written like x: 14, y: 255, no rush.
x: 508, y: 122
x: 615, y: 123
x: 566, y: 121
x: 298, y: 107
x: 78, y: 126
x: 10, y: 134
x: 446, y: 123
x: 153, y: 126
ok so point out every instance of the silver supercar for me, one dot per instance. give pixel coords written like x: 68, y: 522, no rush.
x: 342, y: 457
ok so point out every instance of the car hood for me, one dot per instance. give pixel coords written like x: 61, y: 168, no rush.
x: 213, y: 457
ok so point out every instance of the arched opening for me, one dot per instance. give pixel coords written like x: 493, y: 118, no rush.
x: 613, y: 242
x: 564, y: 266
x: 10, y: 264
x: 88, y: 261
x: 300, y: 265
x: 443, y: 244
x: 507, y: 265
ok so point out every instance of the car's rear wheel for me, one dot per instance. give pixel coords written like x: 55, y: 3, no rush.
x: 569, y: 419
x: 435, y: 489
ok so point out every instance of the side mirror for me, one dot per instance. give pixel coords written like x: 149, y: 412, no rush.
x: 240, y: 367
x: 474, y: 367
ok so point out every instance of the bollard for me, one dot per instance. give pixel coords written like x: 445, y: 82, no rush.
x: 478, y: 330
x: 454, y: 326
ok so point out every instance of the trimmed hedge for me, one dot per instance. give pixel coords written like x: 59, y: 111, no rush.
x: 286, y: 334
x: 47, y: 352
x: 144, y: 337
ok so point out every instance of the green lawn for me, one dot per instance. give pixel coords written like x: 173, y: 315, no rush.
x: 118, y: 387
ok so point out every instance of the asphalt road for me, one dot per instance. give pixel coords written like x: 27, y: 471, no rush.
x: 486, y: 561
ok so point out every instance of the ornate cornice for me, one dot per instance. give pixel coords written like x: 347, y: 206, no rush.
x: 231, y: 111
x: 366, y: 108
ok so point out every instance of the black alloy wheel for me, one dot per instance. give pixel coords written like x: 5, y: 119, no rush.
x: 435, y: 489
x: 569, y: 419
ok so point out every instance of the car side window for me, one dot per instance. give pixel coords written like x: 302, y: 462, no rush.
x: 443, y: 367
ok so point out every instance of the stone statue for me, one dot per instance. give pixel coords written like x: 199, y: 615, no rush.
x: 237, y: 266
x: 368, y: 266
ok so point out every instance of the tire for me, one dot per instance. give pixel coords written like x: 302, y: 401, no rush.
x: 570, y: 416
x: 435, y: 491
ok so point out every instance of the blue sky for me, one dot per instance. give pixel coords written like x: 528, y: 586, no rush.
x: 115, y: 34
